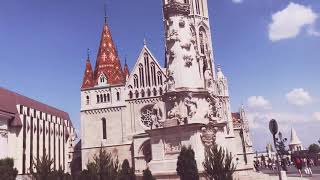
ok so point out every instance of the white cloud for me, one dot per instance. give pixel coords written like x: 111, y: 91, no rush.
x: 260, y: 120
x: 289, y: 22
x: 299, y: 97
x: 312, y: 31
x: 316, y: 116
x: 237, y: 1
x: 258, y: 102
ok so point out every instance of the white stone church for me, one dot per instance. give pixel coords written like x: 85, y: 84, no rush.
x: 147, y: 114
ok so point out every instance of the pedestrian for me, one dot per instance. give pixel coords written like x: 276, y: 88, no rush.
x: 298, y: 164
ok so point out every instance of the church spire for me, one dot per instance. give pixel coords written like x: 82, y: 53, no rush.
x: 88, y: 81
x: 126, y: 70
x: 108, y: 62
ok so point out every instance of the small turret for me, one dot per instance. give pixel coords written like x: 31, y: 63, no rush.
x: 88, y: 80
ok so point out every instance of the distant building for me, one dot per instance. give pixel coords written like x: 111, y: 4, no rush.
x: 295, y: 143
x: 28, y: 129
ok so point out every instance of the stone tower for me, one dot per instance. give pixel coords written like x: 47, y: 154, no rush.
x: 295, y: 143
x: 194, y: 93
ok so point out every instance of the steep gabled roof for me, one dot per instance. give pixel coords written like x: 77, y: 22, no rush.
x: 144, y: 50
x: 88, y: 79
x: 108, y: 62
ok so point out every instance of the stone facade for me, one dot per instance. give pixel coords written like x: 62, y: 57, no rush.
x: 148, y: 114
x: 30, y: 129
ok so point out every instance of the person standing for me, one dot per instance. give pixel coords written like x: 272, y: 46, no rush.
x: 298, y: 164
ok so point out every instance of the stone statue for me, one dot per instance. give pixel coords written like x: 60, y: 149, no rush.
x: 208, y: 135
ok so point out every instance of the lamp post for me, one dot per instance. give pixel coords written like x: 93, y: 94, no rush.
x: 273, y: 127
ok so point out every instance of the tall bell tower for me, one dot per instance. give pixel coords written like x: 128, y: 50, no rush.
x: 189, y: 56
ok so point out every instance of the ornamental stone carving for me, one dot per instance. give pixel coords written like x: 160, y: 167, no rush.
x: 3, y: 133
x: 208, y: 135
x: 152, y: 116
x: 172, y: 146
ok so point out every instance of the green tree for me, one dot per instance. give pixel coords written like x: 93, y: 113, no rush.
x: 43, y: 168
x: 126, y: 172
x: 147, y: 175
x: 314, y: 148
x: 187, y: 165
x: 218, y: 163
x: 103, y: 167
x: 7, y: 170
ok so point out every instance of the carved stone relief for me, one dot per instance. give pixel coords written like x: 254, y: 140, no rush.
x: 152, y: 116
x: 208, y: 135
x: 172, y: 146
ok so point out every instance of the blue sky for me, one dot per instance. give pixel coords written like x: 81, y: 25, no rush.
x: 269, y: 50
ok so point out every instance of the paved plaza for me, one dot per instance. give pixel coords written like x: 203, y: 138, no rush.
x: 292, y: 173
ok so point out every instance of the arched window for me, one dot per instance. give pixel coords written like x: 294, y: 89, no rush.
x: 98, y: 99
x: 141, y: 75
x: 118, y: 96
x: 197, y: 7
x: 160, y: 91
x: 108, y: 97
x: 101, y: 98
x: 130, y: 94
x: 104, y: 98
x: 142, y: 93
x: 154, y: 92
x: 88, y: 100
x: 146, y: 65
x: 203, y: 40
x: 159, y: 78
x: 135, y: 81
x: 148, y: 92
x: 153, y: 74
x: 104, y: 128
x: 137, y: 94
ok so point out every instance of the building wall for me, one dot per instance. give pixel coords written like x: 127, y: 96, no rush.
x: 29, y: 142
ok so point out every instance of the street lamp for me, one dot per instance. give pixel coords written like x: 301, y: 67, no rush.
x: 273, y: 127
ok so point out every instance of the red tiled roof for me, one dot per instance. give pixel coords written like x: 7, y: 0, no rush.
x: 108, y: 61
x: 88, y: 80
x: 9, y: 101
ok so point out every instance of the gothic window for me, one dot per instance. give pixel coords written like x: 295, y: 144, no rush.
x: 101, y: 98
x: 102, y: 79
x: 160, y: 91
x: 141, y: 75
x: 153, y: 74
x: 159, y: 78
x: 104, y: 128
x: 142, y: 93
x: 137, y: 94
x: 130, y: 95
x: 108, y: 97
x: 197, y: 7
x: 203, y: 40
x: 98, y: 99
x: 146, y: 64
x: 135, y: 81
x: 154, y: 92
x: 88, y: 100
x: 104, y: 98
x: 148, y: 92
x: 118, y: 96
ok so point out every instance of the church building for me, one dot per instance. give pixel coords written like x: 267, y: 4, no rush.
x: 148, y: 113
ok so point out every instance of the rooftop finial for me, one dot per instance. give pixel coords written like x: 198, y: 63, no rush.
x: 125, y: 59
x: 145, y: 41
x: 88, y: 53
x: 105, y: 12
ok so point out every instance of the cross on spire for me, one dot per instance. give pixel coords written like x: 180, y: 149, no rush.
x: 88, y: 53
x: 105, y: 12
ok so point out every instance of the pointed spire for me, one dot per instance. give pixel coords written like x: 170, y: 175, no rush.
x: 220, y: 74
x: 294, y: 138
x: 108, y: 62
x: 88, y: 80
x: 145, y: 42
x: 126, y: 69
